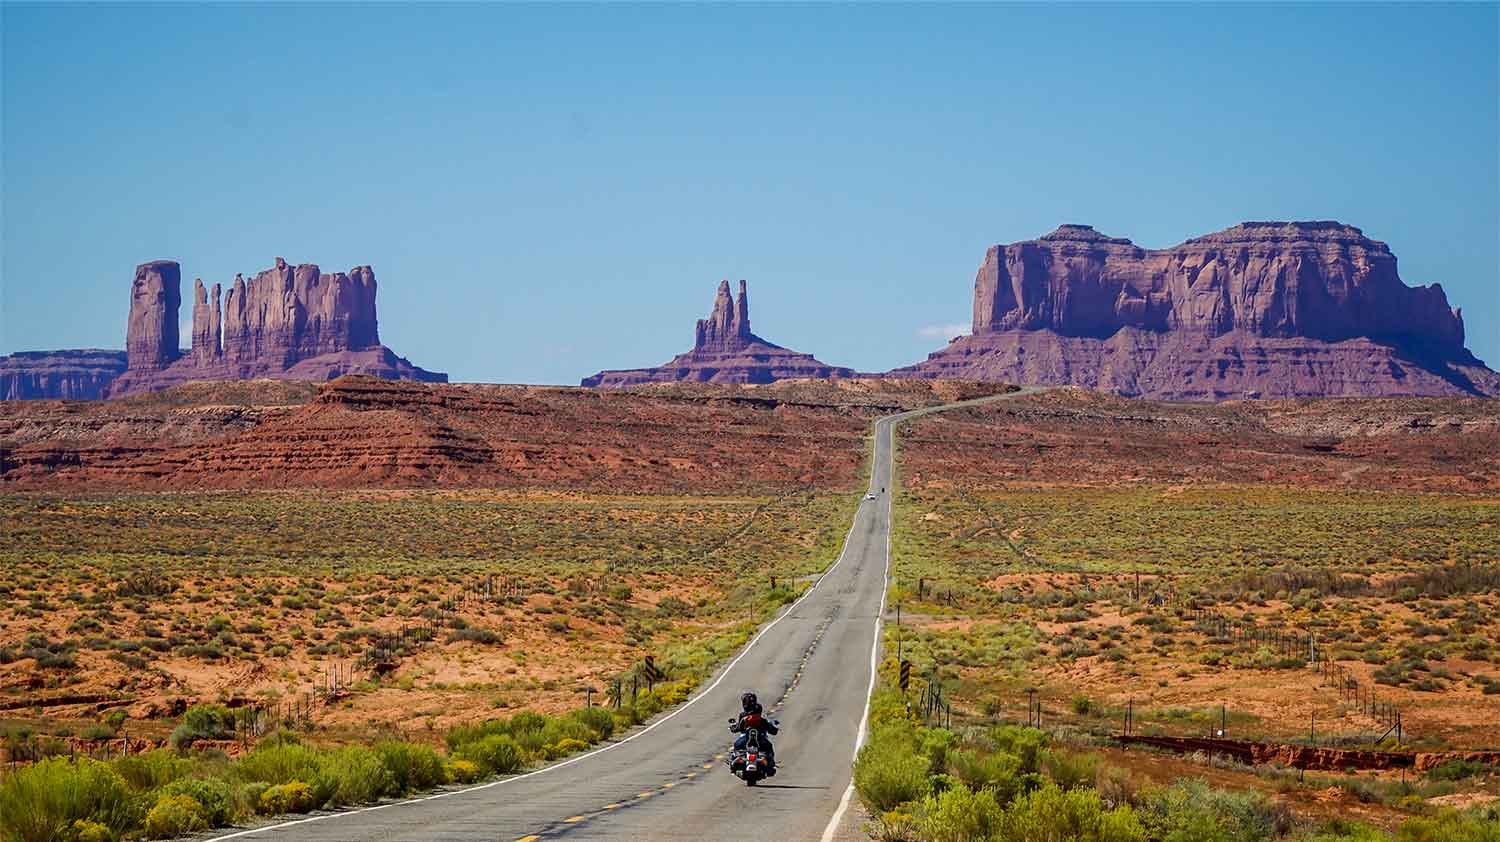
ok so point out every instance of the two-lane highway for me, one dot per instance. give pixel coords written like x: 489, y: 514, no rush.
x: 814, y: 663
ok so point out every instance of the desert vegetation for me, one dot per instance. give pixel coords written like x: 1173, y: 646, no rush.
x: 252, y: 652
x: 1239, y: 571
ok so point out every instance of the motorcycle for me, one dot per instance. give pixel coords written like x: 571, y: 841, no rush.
x: 750, y: 764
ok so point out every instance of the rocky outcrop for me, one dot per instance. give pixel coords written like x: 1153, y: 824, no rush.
x: 725, y: 351
x: 208, y: 348
x: 288, y: 322
x: 67, y: 375
x: 1263, y: 309
x: 151, y: 330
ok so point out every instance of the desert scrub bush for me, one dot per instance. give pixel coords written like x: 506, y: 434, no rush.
x: 290, y: 797
x: 152, y: 769
x: 1476, y: 826
x: 1457, y: 770
x: 350, y: 775
x: 889, y: 770
x: 173, y: 816
x: 959, y: 815
x: 462, y: 771
x: 494, y: 754
x: 203, y: 722
x: 39, y: 803
x: 412, y: 767
x: 599, y: 720
x: 213, y: 796
x: 1051, y: 813
x: 997, y: 771
x: 1192, y: 809
x: 279, y: 761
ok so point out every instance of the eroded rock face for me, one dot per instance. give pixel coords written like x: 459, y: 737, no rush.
x: 725, y: 351
x: 83, y: 374
x: 151, y: 330
x: 292, y: 313
x: 1263, y: 309
x: 288, y: 322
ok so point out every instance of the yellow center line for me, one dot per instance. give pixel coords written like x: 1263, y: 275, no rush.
x: 668, y: 786
x: 532, y: 838
x: 644, y: 794
x: 573, y: 819
x: 611, y: 806
x: 708, y: 765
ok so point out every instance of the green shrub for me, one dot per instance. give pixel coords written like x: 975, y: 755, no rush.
x: 290, y: 797
x: 1477, y: 826
x: 40, y: 802
x: 997, y: 770
x: 1078, y: 815
x: 84, y: 830
x: 278, y: 762
x: 173, y: 816
x: 152, y: 769
x: 889, y: 771
x: 1070, y: 769
x: 563, y: 748
x: 959, y: 815
x: 1457, y: 770
x: 213, y: 796
x: 412, y: 767
x: 351, y: 775
x: 1193, y: 810
x: 1025, y: 743
x: 495, y: 754
x: 1082, y: 705
x: 203, y: 722
x: 1340, y: 830
x: 462, y: 771
x: 598, y: 720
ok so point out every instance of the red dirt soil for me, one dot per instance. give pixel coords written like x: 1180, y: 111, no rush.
x: 363, y: 431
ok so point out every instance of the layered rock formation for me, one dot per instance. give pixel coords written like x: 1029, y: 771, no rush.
x: 1263, y: 309
x: 83, y: 374
x: 725, y: 351
x: 288, y: 322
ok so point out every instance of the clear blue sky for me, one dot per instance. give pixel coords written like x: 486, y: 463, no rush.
x: 545, y: 191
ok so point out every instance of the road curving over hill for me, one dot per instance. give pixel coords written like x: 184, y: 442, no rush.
x: 813, y: 665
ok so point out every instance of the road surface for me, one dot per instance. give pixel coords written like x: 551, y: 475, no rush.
x: 812, y: 666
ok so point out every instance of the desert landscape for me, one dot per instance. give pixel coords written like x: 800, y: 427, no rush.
x: 1111, y: 454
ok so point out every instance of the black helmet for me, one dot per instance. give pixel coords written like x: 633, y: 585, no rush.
x: 747, y: 700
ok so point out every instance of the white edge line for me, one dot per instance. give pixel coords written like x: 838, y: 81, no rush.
x: 864, y: 719
x: 723, y: 673
x: 890, y: 421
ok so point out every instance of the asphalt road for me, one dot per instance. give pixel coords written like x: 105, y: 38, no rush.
x: 812, y: 666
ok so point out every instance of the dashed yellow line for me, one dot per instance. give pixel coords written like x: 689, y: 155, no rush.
x: 644, y: 794
x: 573, y: 819
x: 532, y: 838
x: 614, y: 806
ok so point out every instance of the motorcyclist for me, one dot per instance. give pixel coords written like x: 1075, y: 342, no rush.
x: 752, y: 717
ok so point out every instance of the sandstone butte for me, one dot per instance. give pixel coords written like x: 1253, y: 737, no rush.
x: 1259, y: 310
x: 288, y: 322
x: 725, y: 351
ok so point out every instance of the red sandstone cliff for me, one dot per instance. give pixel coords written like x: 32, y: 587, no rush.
x: 1263, y: 309
x: 725, y: 351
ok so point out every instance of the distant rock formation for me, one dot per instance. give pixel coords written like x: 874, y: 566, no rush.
x: 1260, y: 310
x: 287, y: 323
x: 75, y: 375
x: 725, y: 351
x: 151, y: 331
